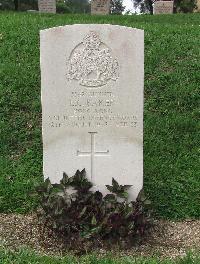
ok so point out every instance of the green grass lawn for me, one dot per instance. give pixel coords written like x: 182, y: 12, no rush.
x: 172, y: 65
x: 25, y: 256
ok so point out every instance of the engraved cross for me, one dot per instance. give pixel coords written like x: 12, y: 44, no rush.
x: 92, y: 153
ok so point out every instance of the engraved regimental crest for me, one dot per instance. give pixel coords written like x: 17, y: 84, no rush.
x: 91, y: 63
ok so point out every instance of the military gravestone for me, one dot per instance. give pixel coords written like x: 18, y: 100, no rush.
x: 47, y: 6
x: 198, y: 5
x: 92, y: 103
x: 100, y: 7
x: 163, y: 7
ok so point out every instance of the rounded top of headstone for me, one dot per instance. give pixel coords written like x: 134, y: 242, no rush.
x: 91, y: 27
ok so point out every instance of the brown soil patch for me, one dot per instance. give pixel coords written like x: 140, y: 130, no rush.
x: 168, y: 239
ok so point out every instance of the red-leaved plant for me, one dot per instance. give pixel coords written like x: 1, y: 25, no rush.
x: 71, y: 208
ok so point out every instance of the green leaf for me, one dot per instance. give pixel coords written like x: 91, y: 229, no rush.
x: 57, y: 187
x: 80, y: 182
x: 83, y: 212
x: 65, y: 180
x: 48, y: 185
x: 98, y: 196
x: 55, y: 225
x: 83, y: 173
x: 94, y: 221
x: 110, y: 188
x: 147, y: 202
x: 141, y: 197
x: 115, y: 184
x: 110, y: 198
x: 123, y: 195
x: 131, y: 225
x: 40, y: 189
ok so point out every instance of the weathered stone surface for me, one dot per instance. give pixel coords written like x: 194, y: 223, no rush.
x: 163, y: 7
x: 92, y: 103
x: 47, y: 6
x: 198, y: 6
x: 100, y: 7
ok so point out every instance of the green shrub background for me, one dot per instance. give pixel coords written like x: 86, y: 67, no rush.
x: 171, y: 132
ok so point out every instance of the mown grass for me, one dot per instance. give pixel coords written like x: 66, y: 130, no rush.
x: 26, y: 256
x: 171, y: 139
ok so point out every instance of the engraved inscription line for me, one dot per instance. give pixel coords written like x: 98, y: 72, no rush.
x: 93, y: 153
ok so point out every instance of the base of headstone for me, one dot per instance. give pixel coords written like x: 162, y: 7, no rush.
x: 47, y: 6
x: 100, y: 7
x: 163, y: 7
x: 198, y: 6
x: 32, y: 11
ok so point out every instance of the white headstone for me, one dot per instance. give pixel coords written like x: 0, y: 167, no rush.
x: 92, y: 103
x: 198, y: 6
x: 163, y: 7
x: 47, y: 6
x: 100, y: 7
